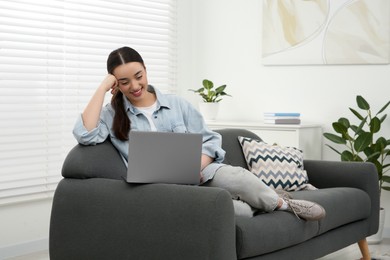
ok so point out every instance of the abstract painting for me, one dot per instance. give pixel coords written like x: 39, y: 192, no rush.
x: 299, y: 32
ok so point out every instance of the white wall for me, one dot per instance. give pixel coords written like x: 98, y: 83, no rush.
x: 221, y: 40
x: 24, y: 227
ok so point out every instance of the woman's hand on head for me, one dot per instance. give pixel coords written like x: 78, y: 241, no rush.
x: 110, y: 83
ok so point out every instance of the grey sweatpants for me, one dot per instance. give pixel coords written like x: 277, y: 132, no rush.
x: 245, y: 186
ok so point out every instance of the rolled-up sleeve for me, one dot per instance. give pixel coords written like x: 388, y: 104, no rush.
x: 94, y: 136
x: 212, y: 141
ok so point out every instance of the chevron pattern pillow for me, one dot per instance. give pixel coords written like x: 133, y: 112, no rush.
x: 279, y: 167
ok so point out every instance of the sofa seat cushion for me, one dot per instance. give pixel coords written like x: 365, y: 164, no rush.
x: 269, y: 232
x: 342, y: 205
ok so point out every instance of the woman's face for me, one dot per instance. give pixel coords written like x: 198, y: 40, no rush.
x: 133, y: 82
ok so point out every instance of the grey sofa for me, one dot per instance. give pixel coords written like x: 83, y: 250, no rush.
x: 97, y: 215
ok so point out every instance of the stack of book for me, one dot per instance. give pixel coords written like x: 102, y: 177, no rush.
x: 282, y: 118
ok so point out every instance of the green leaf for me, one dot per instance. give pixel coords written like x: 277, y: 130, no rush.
x: 220, y: 89
x: 386, y: 188
x: 347, y: 156
x: 360, y: 127
x: 379, y: 168
x: 356, y: 129
x: 356, y: 113
x: 383, y: 108
x: 386, y: 165
x: 333, y: 149
x: 344, y: 121
x: 208, y: 84
x: 386, y: 179
x: 362, y: 103
x: 363, y: 141
x: 371, y: 154
x: 211, y: 96
x: 375, y: 125
x: 204, y: 97
x: 373, y: 157
x: 339, y: 127
x: 197, y: 90
x: 382, y: 143
x: 383, y: 118
x: 334, y: 138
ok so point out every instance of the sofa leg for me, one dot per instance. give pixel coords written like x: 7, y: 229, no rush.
x: 363, y: 246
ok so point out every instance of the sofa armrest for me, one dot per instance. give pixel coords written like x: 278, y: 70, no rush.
x: 327, y: 174
x: 360, y: 175
x: 94, y: 161
x: 111, y: 219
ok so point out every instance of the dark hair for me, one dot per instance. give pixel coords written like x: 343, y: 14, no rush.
x: 121, y: 124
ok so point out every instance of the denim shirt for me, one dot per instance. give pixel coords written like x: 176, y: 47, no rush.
x: 172, y: 114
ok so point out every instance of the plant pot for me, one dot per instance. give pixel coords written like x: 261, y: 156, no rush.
x: 377, y: 238
x: 209, y: 111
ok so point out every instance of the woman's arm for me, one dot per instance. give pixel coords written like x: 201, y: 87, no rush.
x: 212, y: 141
x: 206, y: 160
x: 92, y: 111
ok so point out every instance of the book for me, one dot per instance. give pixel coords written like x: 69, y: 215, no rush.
x: 286, y: 114
x: 280, y: 117
x: 287, y: 121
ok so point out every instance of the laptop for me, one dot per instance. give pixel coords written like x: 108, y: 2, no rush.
x: 164, y: 157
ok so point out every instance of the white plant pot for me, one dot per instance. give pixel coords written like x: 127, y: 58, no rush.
x: 209, y: 111
x: 377, y: 238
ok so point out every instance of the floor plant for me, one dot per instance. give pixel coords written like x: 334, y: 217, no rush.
x: 362, y: 142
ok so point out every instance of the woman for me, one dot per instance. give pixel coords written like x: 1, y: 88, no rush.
x: 135, y: 105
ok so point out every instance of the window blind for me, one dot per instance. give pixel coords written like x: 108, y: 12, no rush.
x: 52, y: 58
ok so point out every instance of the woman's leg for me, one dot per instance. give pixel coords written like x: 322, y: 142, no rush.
x: 245, y: 186
x: 243, y: 209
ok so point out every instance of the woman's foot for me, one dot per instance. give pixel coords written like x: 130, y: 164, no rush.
x: 307, y: 210
x: 304, y: 209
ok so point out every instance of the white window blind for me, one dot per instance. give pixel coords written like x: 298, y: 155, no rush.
x: 52, y: 58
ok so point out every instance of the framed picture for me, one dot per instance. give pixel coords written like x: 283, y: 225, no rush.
x: 300, y: 32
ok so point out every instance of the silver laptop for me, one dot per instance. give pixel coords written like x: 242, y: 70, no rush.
x: 164, y: 157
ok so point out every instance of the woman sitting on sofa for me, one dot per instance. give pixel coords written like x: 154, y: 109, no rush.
x: 136, y: 105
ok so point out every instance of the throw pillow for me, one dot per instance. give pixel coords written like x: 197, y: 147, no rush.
x: 279, y: 167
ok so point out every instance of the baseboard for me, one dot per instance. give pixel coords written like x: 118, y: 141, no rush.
x: 24, y: 248
x: 43, y: 244
x: 386, y: 233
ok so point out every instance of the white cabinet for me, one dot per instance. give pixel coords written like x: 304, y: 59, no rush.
x: 308, y: 138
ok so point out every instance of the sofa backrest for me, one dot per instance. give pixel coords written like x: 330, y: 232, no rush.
x: 234, y: 155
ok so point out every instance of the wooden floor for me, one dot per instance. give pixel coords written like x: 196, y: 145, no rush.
x: 379, y: 251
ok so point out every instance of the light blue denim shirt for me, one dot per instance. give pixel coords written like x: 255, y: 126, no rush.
x: 173, y: 114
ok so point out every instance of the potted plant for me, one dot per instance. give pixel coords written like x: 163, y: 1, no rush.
x: 211, y: 96
x: 362, y: 144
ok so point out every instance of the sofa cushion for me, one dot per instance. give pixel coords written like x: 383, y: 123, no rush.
x: 269, y: 232
x: 278, y: 167
x: 343, y: 205
x: 232, y: 146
